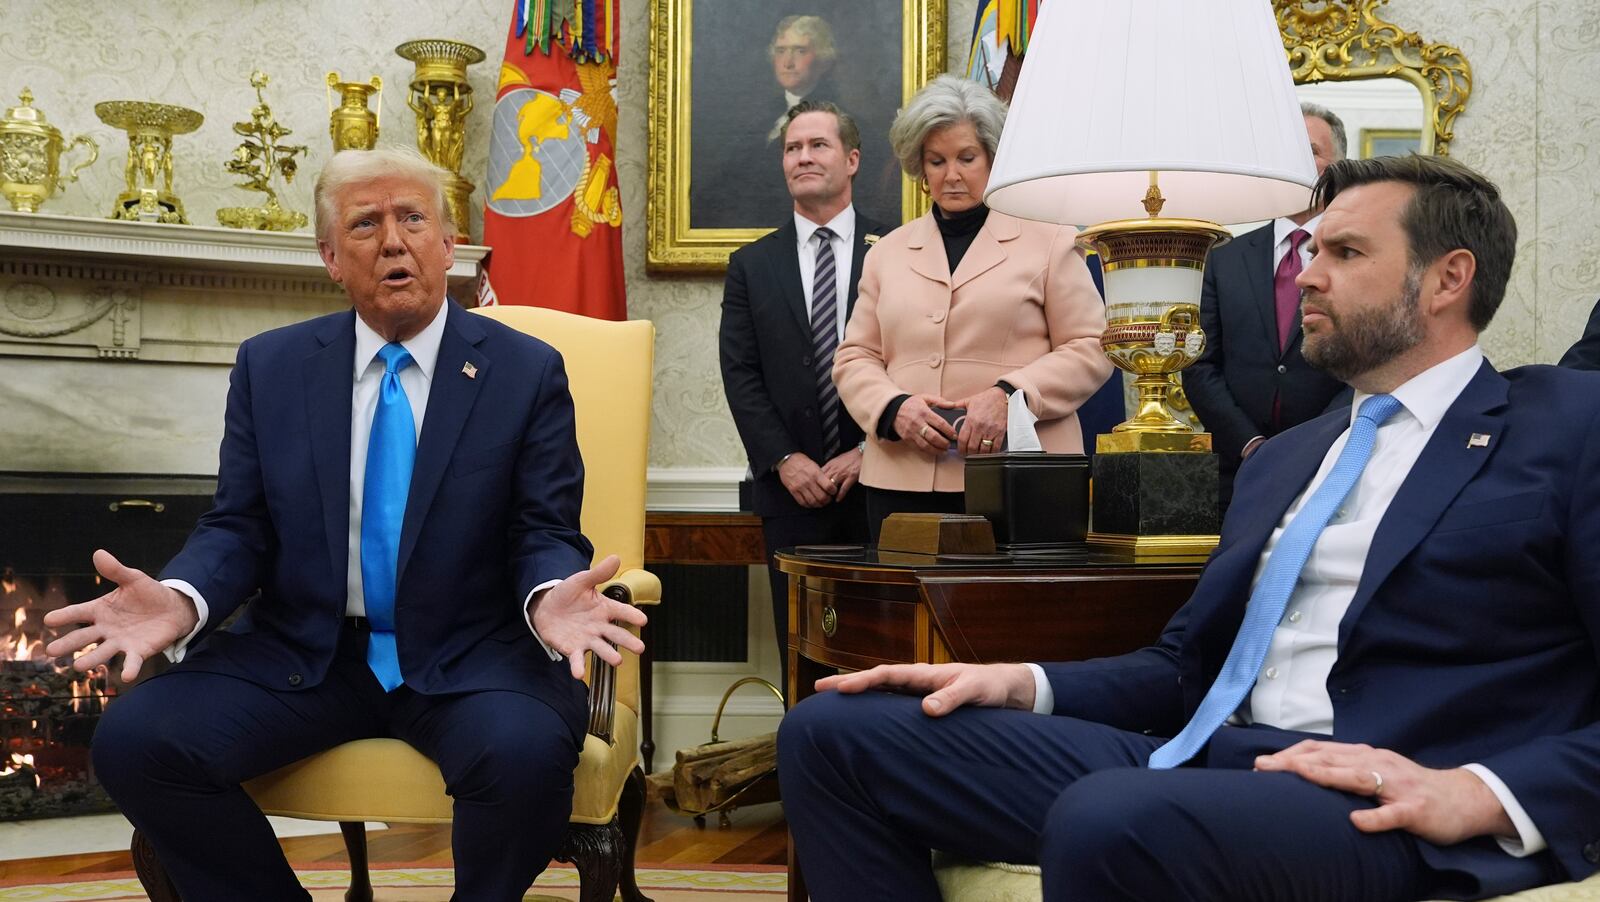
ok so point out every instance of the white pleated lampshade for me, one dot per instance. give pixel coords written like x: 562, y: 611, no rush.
x: 1198, y: 90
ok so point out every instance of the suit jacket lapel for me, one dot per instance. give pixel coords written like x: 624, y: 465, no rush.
x: 927, y: 250
x: 329, y: 379
x: 1260, y: 271
x: 450, y: 400
x: 1446, y: 465
x: 858, y: 257
x: 786, y: 267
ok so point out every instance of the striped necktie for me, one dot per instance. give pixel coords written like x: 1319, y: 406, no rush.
x: 391, y: 452
x: 825, y: 339
x: 1277, y: 582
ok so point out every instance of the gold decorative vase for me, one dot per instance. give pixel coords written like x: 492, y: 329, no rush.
x: 30, y: 157
x: 441, y: 97
x: 351, y: 125
x: 150, y: 128
x: 1155, y: 333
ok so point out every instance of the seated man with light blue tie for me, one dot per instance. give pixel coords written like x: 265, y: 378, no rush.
x: 1385, y: 685
x: 398, y: 488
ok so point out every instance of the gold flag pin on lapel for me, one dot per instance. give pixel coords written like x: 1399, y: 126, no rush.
x: 471, y: 372
x: 1478, y: 440
x: 870, y: 239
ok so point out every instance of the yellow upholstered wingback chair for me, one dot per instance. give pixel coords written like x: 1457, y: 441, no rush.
x: 961, y: 880
x: 609, y: 370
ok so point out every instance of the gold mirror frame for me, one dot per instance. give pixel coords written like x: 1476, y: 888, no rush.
x: 672, y: 245
x: 1346, y: 40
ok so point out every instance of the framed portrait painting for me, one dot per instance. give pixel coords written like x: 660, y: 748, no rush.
x: 722, y: 75
x: 1390, y: 142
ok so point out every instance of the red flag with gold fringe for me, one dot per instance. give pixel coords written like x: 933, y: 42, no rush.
x: 551, y: 208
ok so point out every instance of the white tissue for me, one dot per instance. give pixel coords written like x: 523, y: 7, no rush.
x: 1020, y: 434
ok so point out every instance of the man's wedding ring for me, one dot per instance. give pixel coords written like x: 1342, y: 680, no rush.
x: 987, y: 443
x: 924, y: 433
x: 1377, y: 787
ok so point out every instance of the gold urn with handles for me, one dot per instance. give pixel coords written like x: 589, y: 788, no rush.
x: 30, y: 156
x: 351, y: 125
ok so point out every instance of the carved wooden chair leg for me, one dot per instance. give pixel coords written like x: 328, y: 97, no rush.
x: 596, y: 851
x: 355, y: 843
x: 630, y: 812
x: 157, y: 885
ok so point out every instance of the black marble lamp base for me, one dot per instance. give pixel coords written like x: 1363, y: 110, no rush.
x: 1157, y: 502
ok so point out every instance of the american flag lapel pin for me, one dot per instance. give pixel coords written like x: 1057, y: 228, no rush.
x: 471, y: 372
x: 1478, y: 440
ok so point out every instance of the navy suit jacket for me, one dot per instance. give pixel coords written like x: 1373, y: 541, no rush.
x: 493, y: 512
x: 1585, y: 352
x: 765, y: 345
x: 1472, y: 634
x: 1233, y: 384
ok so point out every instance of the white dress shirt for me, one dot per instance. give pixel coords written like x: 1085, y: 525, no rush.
x: 416, y: 379
x: 1291, y: 691
x: 807, y: 244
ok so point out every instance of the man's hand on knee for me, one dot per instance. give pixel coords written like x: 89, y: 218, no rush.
x: 1441, y: 806
x: 946, y: 687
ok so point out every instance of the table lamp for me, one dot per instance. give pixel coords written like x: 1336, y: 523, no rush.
x: 1150, y: 122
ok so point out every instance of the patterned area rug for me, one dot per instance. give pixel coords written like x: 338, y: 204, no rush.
x: 748, y: 883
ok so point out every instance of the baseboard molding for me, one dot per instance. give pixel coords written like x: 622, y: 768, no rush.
x: 693, y: 488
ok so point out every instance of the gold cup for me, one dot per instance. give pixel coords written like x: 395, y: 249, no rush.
x: 150, y: 128
x: 30, y: 157
x: 1153, y: 338
x: 441, y: 97
x: 351, y: 125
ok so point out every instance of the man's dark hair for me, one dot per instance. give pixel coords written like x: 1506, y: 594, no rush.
x: 849, y: 134
x: 1453, y: 207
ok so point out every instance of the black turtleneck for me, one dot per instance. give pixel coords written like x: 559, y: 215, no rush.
x: 958, y: 230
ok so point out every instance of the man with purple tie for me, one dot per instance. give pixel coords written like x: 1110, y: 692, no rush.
x: 1383, y: 687
x: 1253, y: 382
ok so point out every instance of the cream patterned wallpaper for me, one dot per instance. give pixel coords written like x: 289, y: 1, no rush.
x: 1531, y: 124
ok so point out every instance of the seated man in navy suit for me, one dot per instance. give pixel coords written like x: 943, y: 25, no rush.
x: 399, y: 488
x: 1385, y: 684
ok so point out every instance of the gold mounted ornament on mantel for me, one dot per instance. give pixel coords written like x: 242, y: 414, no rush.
x: 30, y: 156
x: 441, y: 97
x: 260, y: 158
x: 150, y: 128
x: 351, y: 125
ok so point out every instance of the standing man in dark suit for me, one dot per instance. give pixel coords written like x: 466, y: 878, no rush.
x: 398, y: 489
x: 784, y: 307
x: 1252, y: 382
x: 1585, y: 352
x: 1384, y: 684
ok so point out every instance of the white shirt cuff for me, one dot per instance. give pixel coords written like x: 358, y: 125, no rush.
x: 1529, y: 840
x: 527, y: 610
x: 178, y: 649
x: 1044, y: 698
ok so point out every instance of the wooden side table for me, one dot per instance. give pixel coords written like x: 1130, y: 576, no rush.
x: 850, y: 611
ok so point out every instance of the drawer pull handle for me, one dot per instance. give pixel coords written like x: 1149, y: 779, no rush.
x: 140, y: 503
x: 830, y: 621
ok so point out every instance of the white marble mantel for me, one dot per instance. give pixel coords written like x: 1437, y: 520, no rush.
x: 116, y: 337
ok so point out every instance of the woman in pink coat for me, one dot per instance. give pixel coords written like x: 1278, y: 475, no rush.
x: 958, y: 309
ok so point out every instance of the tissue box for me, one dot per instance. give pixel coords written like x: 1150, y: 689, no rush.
x: 1038, y: 501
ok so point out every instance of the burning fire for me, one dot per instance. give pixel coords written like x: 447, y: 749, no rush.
x: 21, y: 763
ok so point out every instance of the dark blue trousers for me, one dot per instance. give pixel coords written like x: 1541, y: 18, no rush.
x: 871, y: 784
x: 174, y: 751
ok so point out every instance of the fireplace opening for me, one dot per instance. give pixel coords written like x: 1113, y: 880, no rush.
x: 50, y: 526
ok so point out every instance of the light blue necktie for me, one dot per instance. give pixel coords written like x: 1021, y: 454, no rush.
x: 391, y: 451
x: 1277, y: 581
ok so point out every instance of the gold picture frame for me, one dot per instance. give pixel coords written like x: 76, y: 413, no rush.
x: 1383, y: 142
x: 682, y: 238
x: 1345, y: 40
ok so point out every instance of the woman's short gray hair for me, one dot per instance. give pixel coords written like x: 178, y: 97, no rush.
x: 943, y: 102
x: 351, y: 166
